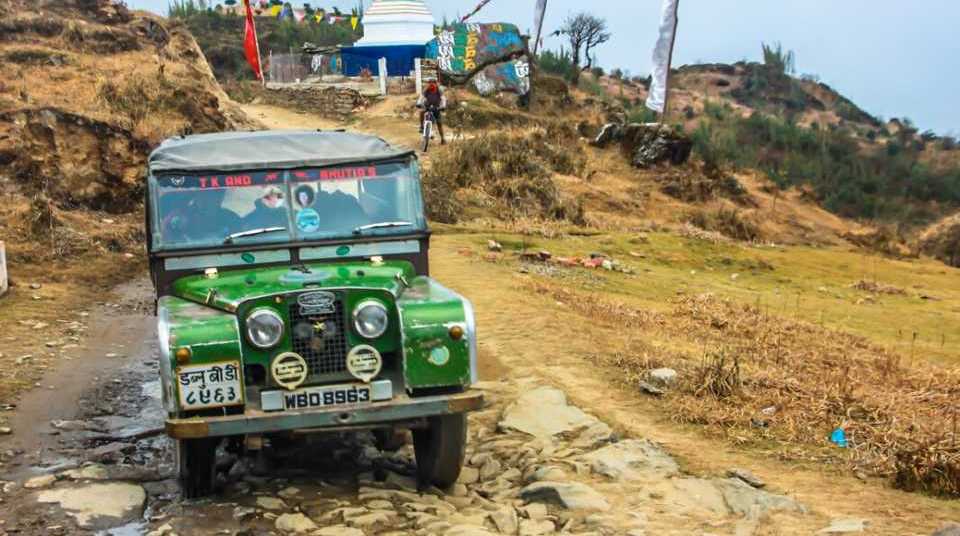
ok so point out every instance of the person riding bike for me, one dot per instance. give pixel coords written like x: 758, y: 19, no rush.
x: 434, y: 100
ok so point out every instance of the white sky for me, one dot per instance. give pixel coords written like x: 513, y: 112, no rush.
x: 894, y: 58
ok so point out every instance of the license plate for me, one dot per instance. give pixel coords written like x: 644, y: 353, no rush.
x: 324, y: 396
x: 210, y: 385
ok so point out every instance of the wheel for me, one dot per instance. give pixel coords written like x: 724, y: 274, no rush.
x: 197, y: 464
x: 439, y: 449
x: 427, y: 128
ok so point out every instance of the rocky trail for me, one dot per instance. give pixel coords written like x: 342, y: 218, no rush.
x: 536, y: 465
x: 558, y: 449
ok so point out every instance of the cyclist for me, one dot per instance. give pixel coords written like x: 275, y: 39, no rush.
x: 434, y: 100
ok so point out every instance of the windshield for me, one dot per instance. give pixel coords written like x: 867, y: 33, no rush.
x: 191, y: 211
x: 359, y: 200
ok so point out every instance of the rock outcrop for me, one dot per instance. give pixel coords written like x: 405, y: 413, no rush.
x: 646, y: 144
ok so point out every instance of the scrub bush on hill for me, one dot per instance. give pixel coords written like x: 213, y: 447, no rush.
x: 880, y: 184
x: 557, y: 63
x: 515, y: 170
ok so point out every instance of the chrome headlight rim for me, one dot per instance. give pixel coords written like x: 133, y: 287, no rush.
x: 356, y: 318
x: 269, y: 313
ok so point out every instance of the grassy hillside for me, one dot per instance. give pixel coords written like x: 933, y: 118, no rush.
x: 799, y: 132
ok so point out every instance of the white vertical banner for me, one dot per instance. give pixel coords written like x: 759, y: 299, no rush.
x: 382, y: 67
x: 662, y: 57
x: 418, y: 75
x: 538, y: 22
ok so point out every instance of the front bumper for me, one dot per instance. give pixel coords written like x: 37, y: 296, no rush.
x: 400, y: 408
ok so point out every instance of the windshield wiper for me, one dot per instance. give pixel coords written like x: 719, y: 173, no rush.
x: 252, y: 232
x: 381, y: 225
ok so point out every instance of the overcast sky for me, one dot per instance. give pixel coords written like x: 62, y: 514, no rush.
x: 894, y: 58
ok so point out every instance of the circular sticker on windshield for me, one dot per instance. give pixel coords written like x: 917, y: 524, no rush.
x: 364, y: 362
x: 343, y: 250
x: 308, y: 220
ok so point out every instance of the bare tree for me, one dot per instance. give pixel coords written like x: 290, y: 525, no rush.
x: 585, y: 32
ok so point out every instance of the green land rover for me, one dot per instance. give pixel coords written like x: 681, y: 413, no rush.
x: 294, y: 296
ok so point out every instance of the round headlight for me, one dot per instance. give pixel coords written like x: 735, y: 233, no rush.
x: 370, y: 319
x: 264, y: 328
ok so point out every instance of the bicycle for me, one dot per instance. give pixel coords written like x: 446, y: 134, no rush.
x: 429, y: 118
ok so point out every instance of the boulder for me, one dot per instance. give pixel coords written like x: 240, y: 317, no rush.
x: 41, y: 481
x: 100, y: 505
x: 742, y: 498
x: 646, y: 144
x: 649, y: 144
x: 530, y: 527
x: 271, y: 503
x: 747, y: 477
x: 569, y: 495
x: 950, y: 529
x: 505, y: 520
x: 543, y: 413
x: 295, y: 523
x: 632, y: 460
x: 663, y: 376
x: 844, y: 526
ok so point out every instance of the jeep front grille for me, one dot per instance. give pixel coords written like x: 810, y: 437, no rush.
x: 320, y: 339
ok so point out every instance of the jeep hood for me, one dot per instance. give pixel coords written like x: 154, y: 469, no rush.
x: 227, y: 290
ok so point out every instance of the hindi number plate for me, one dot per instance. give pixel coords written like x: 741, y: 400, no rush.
x: 210, y: 385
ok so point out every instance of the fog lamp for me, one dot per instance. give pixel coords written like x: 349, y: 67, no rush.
x: 183, y: 355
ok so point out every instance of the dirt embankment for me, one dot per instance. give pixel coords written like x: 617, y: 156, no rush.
x: 90, y: 88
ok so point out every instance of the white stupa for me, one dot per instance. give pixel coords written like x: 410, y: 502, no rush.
x: 396, y: 22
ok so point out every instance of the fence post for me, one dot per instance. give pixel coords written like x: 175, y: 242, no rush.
x: 382, y: 67
x: 4, y: 284
x: 418, y: 74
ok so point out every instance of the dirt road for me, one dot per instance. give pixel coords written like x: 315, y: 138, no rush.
x: 557, y: 450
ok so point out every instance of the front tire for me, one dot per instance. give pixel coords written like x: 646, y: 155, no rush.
x: 440, y: 449
x: 197, y: 465
x: 427, y: 132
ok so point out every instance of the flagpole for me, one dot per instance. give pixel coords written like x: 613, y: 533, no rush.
x: 666, y: 92
x: 256, y: 40
x: 666, y: 89
x: 536, y: 42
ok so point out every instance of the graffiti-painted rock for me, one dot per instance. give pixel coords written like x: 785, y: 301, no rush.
x: 463, y: 49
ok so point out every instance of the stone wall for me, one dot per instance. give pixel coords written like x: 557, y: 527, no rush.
x: 332, y: 102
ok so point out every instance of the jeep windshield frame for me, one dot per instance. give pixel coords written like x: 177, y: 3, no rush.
x: 196, y: 211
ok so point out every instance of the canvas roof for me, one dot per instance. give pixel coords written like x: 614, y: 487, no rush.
x: 268, y: 149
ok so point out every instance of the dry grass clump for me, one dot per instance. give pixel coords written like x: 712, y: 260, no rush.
x: 885, y: 239
x: 515, y: 170
x: 728, y: 222
x: 942, y: 240
x: 718, y: 375
x: 36, y: 56
x: 137, y: 96
x: 875, y: 287
x: 793, y: 383
x: 478, y: 113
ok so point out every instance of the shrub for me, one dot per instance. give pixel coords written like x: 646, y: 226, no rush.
x: 515, y: 169
x: 728, y: 222
x: 557, y: 63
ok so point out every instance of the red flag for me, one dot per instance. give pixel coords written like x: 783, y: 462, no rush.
x: 251, y: 46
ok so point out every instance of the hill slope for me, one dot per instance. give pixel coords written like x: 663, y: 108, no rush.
x: 90, y: 89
